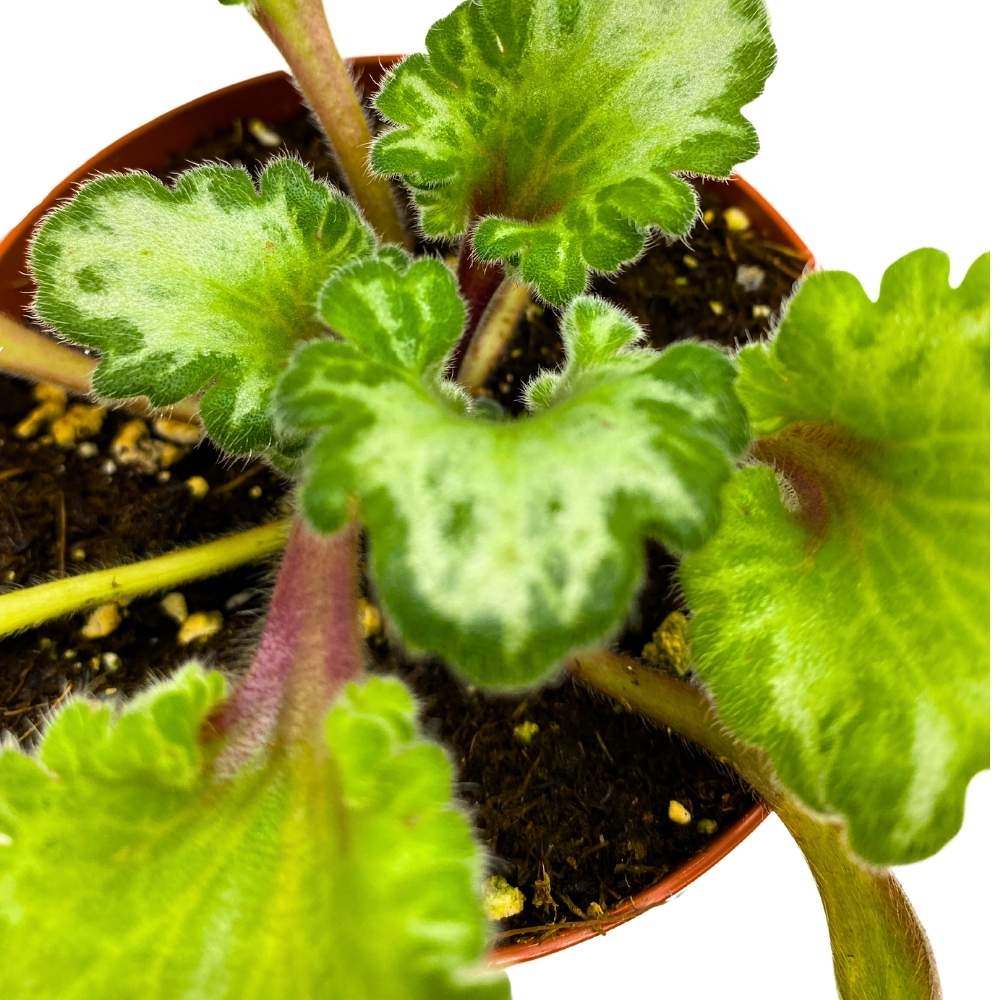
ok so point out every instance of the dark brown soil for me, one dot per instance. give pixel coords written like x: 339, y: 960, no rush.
x: 575, y: 816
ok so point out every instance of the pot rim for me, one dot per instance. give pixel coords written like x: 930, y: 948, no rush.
x: 13, y: 251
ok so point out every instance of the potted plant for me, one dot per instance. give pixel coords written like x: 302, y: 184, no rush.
x: 115, y: 506
x: 508, y: 547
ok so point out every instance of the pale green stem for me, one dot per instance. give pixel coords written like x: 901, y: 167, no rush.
x: 28, y: 354
x: 300, y: 31
x: 31, y: 606
x: 32, y: 355
x: 494, y: 332
x: 880, y: 950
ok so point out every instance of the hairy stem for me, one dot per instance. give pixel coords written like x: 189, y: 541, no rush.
x: 310, y: 647
x: 477, y: 283
x: 300, y: 31
x: 33, y: 605
x: 490, y: 338
x: 880, y: 950
x: 32, y: 355
x: 28, y: 354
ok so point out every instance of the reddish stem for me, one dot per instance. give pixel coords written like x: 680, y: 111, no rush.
x: 478, y: 283
x: 310, y: 648
x: 300, y: 31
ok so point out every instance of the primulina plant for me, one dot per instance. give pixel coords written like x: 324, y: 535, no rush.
x: 294, y: 834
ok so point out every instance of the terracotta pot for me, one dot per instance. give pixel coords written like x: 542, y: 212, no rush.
x: 274, y: 98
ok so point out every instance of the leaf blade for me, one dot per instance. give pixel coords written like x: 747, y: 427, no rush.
x: 205, y: 285
x: 505, y: 544
x: 285, y: 879
x: 846, y: 633
x: 490, y: 130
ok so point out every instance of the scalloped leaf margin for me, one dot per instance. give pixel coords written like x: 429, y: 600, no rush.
x: 561, y: 129
x: 841, y: 613
x: 202, y: 286
x: 345, y: 873
x: 503, y: 544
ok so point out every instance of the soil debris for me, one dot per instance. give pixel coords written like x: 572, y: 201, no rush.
x: 736, y: 219
x: 197, y: 486
x: 526, y: 731
x: 679, y: 813
x: 102, y: 621
x: 133, y: 446
x: 175, y: 606
x: 80, y: 421
x: 668, y: 649
x: 500, y: 899
x: 177, y: 431
x: 199, y: 626
x: 369, y: 618
x: 750, y: 277
x: 51, y: 406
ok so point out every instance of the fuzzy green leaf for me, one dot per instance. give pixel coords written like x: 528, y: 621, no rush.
x: 841, y: 613
x: 203, y: 285
x: 560, y: 127
x: 505, y: 544
x: 128, y: 868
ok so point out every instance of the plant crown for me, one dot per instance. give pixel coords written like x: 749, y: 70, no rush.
x: 504, y: 544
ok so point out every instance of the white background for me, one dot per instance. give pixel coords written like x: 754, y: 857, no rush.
x: 875, y: 131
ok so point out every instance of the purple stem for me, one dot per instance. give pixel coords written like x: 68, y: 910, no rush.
x: 478, y: 283
x: 310, y: 647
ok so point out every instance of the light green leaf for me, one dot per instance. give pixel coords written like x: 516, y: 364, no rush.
x: 560, y: 128
x: 203, y: 285
x: 128, y: 868
x: 504, y: 544
x: 841, y: 612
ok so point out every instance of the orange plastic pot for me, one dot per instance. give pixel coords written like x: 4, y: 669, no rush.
x: 274, y: 98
